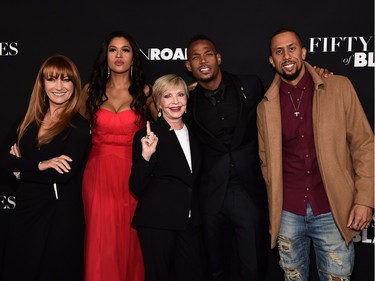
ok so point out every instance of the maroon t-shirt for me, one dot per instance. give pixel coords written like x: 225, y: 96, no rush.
x: 301, y: 176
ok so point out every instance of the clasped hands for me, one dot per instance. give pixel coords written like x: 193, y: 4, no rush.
x: 60, y: 163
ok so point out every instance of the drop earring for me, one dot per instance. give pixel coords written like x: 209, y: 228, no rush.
x: 159, y: 113
x: 131, y: 71
x: 108, y: 73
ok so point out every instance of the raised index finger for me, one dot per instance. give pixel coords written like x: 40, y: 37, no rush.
x: 148, y: 128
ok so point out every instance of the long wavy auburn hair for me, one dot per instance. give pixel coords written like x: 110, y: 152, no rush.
x: 54, y: 66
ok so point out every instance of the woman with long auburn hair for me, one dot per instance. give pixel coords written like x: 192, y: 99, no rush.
x: 48, y: 155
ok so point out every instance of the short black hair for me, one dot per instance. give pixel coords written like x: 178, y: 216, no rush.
x: 282, y: 30
x: 198, y: 37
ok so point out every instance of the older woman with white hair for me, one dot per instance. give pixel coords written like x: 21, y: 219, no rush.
x: 166, y: 162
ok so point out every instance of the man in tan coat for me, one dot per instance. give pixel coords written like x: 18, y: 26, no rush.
x: 317, y: 153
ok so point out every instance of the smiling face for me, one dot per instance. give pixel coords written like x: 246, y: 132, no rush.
x: 173, y: 103
x: 204, y: 63
x: 59, y: 89
x: 119, y: 55
x: 287, y: 56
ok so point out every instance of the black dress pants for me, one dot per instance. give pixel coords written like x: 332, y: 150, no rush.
x: 171, y: 255
x: 244, y: 220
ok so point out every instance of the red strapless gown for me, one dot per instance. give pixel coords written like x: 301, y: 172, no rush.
x: 112, y: 251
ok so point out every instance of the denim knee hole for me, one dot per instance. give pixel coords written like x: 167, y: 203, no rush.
x: 335, y: 258
x: 284, y: 244
x: 292, y: 274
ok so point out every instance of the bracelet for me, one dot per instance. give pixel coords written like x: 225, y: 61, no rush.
x: 40, y: 162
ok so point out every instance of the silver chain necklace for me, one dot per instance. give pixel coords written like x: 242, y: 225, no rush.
x: 296, y: 109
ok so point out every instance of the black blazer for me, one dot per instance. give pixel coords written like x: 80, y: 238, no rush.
x: 242, y: 153
x: 40, y: 221
x: 164, y: 186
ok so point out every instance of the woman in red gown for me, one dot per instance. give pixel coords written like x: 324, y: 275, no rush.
x: 116, y: 105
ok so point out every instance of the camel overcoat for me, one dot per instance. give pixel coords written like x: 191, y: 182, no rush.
x: 344, y: 144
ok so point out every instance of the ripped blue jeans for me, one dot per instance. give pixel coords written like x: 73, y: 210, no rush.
x: 333, y: 257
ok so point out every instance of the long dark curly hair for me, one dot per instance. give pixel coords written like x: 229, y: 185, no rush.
x: 98, y: 80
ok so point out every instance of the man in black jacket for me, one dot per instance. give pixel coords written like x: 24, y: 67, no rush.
x: 232, y: 194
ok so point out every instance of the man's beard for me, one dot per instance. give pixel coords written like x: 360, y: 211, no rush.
x: 207, y: 79
x: 289, y: 77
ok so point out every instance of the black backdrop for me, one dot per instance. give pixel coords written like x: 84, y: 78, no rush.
x: 338, y: 35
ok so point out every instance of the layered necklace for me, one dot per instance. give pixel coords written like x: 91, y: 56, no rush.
x: 296, y: 108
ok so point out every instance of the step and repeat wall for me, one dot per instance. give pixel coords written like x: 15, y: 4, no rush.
x: 338, y: 35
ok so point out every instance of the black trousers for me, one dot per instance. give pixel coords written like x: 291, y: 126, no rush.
x: 171, y: 255
x: 243, y: 222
